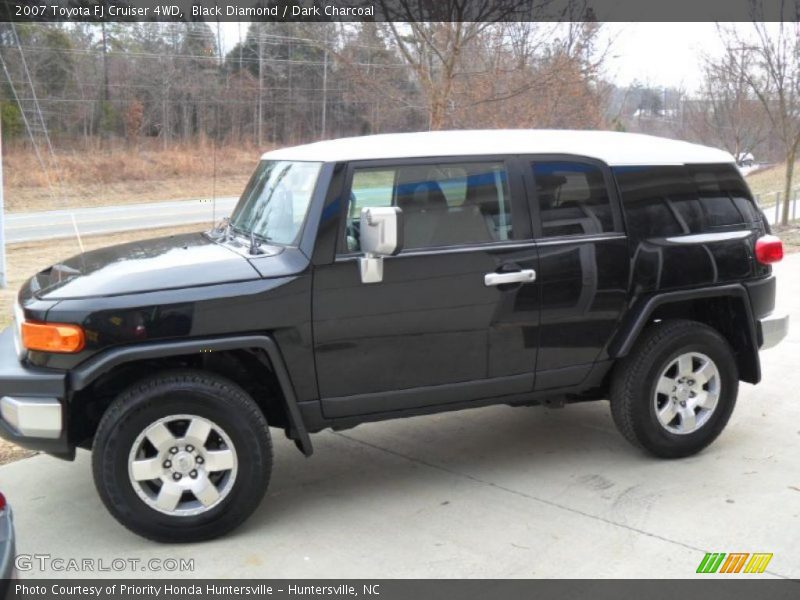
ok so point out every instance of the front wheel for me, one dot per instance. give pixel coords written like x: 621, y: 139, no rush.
x: 675, y: 391
x: 182, y: 457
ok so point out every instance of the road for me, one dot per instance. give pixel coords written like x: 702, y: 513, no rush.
x: 492, y: 492
x: 25, y: 227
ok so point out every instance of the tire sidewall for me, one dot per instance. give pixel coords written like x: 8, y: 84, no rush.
x: 645, y: 420
x: 113, y: 447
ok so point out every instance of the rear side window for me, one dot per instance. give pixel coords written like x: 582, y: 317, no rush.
x: 723, y: 195
x: 676, y: 200
x: 657, y: 200
x: 573, y: 198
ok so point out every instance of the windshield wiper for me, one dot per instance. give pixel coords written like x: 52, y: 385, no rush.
x: 255, y: 240
x: 255, y: 245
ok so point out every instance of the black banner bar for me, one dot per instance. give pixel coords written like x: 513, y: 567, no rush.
x: 398, y: 10
x: 406, y: 589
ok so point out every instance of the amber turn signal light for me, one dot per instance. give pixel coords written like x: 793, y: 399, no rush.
x: 52, y: 337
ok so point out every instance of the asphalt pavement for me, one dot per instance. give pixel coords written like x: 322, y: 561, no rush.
x: 25, y: 227
x: 492, y: 492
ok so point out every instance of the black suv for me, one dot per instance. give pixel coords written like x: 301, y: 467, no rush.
x: 388, y: 276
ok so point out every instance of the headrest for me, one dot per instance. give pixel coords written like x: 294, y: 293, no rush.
x: 421, y: 196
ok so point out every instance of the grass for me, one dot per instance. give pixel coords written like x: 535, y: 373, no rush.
x: 100, y: 176
x: 764, y: 183
x: 106, y: 173
x: 25, y: 259
x: 10, y: 452
x: 790, y: 236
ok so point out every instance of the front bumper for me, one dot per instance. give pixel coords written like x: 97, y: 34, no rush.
x: 774, y: 328
x: 32, y: 403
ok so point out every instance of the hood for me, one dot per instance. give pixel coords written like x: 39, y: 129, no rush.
x: 176, y: 261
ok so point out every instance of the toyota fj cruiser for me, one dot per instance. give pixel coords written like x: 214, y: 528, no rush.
x: 388, y: 276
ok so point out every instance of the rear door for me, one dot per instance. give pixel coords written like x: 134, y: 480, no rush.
x: 583, y: 264
x: 455, y: 318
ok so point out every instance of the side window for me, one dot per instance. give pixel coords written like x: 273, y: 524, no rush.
x: 665, y: 201
x: 658, y: 201
x: 370, y: 187
x: 573, y: 198
x: 443, y: 204
x: 722, y: 194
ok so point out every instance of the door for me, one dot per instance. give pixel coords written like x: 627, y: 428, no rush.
x: 583, y: 264
x: 455, y: 318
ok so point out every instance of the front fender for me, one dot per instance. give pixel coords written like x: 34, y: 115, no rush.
x: 83, y: 376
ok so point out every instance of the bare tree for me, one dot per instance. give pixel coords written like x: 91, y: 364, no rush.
x: 769, y: 61
x: 728, y: 113
x: 377, y: 93
x: 164, y: 82
x: 433, y: 50
x: 434, y: 44
x: 531, y: 75
x: 471, y: 62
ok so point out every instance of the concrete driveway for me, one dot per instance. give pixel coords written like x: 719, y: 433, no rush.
x: 495, y: 492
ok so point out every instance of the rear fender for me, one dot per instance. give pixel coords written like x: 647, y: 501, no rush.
x: 727, y: 308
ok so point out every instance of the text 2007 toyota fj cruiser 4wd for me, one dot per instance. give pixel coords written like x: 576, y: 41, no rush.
x: 387, y: 276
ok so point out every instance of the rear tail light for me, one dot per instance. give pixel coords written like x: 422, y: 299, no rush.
x: 52, y: 337
x: 769, y: 249
x: 2, y: 502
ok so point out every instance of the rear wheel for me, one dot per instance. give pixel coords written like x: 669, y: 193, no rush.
x: 675, y: 391
x: 183, y: 456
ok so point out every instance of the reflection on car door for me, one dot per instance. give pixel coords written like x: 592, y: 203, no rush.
x: 583, y: 264
x: 433, y: 332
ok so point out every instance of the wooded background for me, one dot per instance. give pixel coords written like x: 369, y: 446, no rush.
x: 89, y: 87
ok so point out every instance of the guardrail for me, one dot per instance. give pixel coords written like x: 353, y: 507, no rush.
x: 775, y: 211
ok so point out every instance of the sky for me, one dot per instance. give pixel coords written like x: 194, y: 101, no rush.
x: 658, y: 54
x: 661, y: 54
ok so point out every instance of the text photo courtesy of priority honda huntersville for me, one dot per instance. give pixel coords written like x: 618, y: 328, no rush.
x: 387, y: 276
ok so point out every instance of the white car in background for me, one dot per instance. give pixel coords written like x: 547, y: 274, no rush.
x: 6, y: 546
x: 747, y: 164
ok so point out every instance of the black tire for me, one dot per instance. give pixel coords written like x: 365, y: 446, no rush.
x: 633, y: 387
x: 177, y: 393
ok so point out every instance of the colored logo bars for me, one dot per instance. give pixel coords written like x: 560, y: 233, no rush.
x: 736, y: 562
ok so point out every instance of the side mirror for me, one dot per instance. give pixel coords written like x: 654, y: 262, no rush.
x: 381, y: 235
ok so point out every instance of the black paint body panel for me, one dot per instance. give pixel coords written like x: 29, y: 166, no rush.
x: 431, y: 336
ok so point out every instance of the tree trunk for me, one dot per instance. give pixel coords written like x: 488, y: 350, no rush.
x: 787, y: 185
x: 165, y: 121
x: 438, y: 110
x: 260, y: 114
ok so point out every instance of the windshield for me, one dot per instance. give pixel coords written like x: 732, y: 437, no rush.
x: 274, y: 204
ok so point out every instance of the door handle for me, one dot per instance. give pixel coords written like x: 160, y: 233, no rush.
x: 524, y: 276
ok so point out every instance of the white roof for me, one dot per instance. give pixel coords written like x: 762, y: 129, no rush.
x: 612, y: 147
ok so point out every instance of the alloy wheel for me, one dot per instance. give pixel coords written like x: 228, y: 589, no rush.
x: 182, y: 465
x: 687, y: 393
